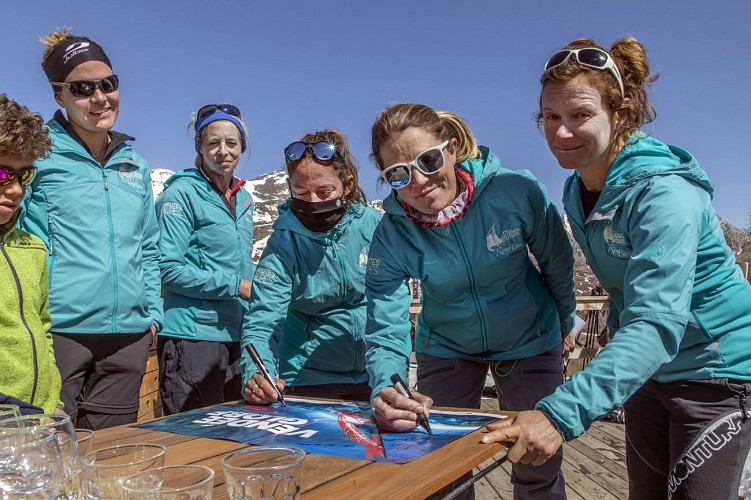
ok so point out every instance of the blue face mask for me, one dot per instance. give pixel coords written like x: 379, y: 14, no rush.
x: 319, y: 216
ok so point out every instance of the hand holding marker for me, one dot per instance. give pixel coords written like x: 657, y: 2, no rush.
x: 402, y: 389
x: 263, y: 371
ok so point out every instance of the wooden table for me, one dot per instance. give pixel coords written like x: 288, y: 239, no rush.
x: 324, y: 476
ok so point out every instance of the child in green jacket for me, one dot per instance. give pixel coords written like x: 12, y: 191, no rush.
x: 29, y: 371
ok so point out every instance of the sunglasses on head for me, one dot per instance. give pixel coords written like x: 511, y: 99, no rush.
x: 428, y: 162
x: 589, y: 57
x: 210, y: 108
x: 25, y: 175
x: 86, y: 88
x: 321, y: 150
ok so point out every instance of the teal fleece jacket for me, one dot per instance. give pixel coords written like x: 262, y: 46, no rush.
x: 681, y: 309
x: 206, y: 251
x: 483, y: 298
x: 100, y: 230
x: 307, y: 306
x: 29, y: 372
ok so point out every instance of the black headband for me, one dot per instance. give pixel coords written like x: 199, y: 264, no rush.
x: 68, y: 55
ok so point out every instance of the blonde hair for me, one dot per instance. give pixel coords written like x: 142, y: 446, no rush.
x: 633, y: 107
x: 343, y: 163
x: 445, y: 125
x: 53, y: 41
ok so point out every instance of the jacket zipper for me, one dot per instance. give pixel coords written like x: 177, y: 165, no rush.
x: 23, y: 319
x: 112, y: 248
x: 472, y: 288
x: 335, y: 246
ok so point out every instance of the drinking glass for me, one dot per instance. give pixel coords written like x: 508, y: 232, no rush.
x: 102, y: 471
x: 177, y: 482
x: 9, y: 411
x: 72, y: 485
x: 30, y: 465
x: 263, y: 472
x: 59, y: 426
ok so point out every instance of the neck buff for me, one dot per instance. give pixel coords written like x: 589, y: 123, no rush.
x: 214, y: 116
x: 68, y: 55
x: 452, y: 212
x: 319, y: 216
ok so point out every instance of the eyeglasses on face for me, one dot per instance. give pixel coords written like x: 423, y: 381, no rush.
x: 211, y: 108
x: 590, y: 57
x: 25, y: 175
x: 321, y: 150
x: 86, y: 88
x: 428, y: 162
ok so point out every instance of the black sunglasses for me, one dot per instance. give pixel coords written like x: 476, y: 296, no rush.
x: 86, y: 88
x: 25, y: 175
x: 210, y: 108
x: 321, y: 150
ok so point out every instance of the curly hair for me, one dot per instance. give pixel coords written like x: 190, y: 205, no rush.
x: 343, y: 164
x: 444, y: 125
x: 630, y: 56
x: 22, y: 133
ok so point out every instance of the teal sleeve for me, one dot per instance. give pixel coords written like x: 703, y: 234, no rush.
x: 387, y: 332
x: 176, y: 215
x: 151, y: 257
x: 269, y: 300
x: 549, y: 243
x: 663, y: 227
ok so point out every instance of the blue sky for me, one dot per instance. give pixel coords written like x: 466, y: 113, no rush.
x: 293, y: 67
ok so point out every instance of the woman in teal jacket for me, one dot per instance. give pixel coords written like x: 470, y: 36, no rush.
x: 307, y: 308
x: 463, y: 225
x: 91, y: 203
x: 206, y: 222
x: 680, y: 320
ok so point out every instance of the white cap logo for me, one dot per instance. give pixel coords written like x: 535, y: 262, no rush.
x: 75, y: 48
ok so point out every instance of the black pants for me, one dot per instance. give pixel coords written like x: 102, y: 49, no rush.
x: 101, y: 376
x: 520, y: 384
x: 687, y: 439
x: 197, y: 373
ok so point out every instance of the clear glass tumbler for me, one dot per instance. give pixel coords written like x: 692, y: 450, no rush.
x: 263, y: 472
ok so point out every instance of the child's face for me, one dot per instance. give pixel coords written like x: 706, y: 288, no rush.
x: 11, y: 191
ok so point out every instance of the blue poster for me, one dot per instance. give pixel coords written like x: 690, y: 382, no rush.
x: 343, y: 429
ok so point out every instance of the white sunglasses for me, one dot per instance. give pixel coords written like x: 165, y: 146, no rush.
x: 590, y: 57
x: 428, y: 162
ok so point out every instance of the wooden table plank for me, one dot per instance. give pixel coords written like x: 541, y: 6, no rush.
x: 325, y: 476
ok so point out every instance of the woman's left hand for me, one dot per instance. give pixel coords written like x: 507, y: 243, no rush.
x: 534, y: 438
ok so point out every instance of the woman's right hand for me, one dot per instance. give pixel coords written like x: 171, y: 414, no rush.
x: 259, y: 392
x: 395, y: 412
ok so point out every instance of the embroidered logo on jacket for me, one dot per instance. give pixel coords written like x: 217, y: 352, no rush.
x: 507, y: 242
x: 363, y: 260
x: 264, y: 275
x: 616, y: 242
x: 373, y: 265
x: 172, y: 207
x: 132, y: 177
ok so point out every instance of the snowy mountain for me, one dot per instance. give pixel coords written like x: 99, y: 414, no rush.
x: 269, y: 190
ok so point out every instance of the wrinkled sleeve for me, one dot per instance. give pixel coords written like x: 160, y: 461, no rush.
x: 269, y: 300
x: 387, y: 332
x: 549, y: 243
x: 151, y: 257
x: 46, y: 320
x: 176, y: 215
x: 663, y: 227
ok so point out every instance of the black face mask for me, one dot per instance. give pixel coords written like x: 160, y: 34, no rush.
x: 319, y: 216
